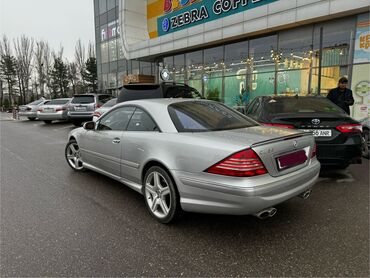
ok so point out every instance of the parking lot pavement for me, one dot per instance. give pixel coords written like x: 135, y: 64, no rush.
x: 55, y: 222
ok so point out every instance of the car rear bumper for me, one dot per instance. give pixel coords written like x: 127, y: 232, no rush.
x: 209, y: 193
x: 337, y: 154
x: 75, y: 116
x: 29, y: 114
x: 52, y: 116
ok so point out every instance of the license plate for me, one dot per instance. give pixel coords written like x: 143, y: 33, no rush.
x: 80, y: 108
x: 319, y: 132
x: 291, y: 159
x: 48, y: 110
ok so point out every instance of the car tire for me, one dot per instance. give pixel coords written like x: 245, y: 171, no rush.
x: 73, y: 156
x: 31, y: 118
x: 365, y: 146
x: 161, y: 196
x: 47, y: 122
x: 76, y: 123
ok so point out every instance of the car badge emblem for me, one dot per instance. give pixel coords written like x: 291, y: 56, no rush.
x: 295, y: 143
x: 315, y: 121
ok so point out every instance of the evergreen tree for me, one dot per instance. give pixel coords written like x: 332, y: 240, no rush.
x: 8, y: 72
x: 90, y: 74
x: 59, y: 78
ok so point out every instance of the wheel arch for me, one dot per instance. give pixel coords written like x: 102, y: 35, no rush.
x: 152, y: 163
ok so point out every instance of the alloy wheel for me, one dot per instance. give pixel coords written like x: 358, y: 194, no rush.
x: 73, y: 156
x: 158, y: 194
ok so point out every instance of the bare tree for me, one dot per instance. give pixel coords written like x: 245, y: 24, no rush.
x: 40, y: 67
x: 24, y: 54
x: 48, y: 61
x: 73, y: 75
x: 90, y: 50
x: 80, y: 59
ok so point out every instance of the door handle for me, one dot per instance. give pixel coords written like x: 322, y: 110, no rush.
x: 116, y: 141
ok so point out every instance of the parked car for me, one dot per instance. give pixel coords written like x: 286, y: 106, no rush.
x: 100, y: 111
x: 82, y: 107
x: 56, y: 109
x: 338, y: 136
x: 365, y: 135
x: 30, y: 110
x: 162, y: 90
x: 196, y: 155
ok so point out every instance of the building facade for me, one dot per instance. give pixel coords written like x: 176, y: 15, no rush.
x: 226, y: 47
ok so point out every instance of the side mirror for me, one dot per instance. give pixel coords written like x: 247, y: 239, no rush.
x: 89, y: 125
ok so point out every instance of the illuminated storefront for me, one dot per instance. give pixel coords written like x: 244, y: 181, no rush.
x: 225, y: 48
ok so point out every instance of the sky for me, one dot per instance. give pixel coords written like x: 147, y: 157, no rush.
x: 60, y: 22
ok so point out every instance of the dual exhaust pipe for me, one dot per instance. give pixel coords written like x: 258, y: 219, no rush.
x: 270, y: 212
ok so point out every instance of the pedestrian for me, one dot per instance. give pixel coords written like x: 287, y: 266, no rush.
x: 342, y: 96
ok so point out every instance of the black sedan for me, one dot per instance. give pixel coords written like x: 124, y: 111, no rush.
x: 338, y: 136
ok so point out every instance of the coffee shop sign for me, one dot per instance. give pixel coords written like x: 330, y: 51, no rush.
x: 181, y: 14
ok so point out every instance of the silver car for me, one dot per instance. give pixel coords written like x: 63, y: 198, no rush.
x: 100, y: 111
x: 196, y: 155
x: 54, y: 110
x: 30, y: 110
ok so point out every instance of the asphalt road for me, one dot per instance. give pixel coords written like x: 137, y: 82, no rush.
x: 55, y: 222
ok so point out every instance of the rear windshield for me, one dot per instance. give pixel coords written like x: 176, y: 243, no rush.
x: 182, y: 92
x: 301, y: 105
x: 110, y: 103
x: 36, y: 102
x: 201, y: 116
x: 58, y: 101
x: 83, y: 99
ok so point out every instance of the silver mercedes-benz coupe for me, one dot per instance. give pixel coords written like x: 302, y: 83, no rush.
x: 196, y: 155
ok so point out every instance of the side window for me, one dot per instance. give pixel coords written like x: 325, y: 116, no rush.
x: 116, y: 119
x: 250, y: 107
x: 141, y: 121
x: 254, y: 109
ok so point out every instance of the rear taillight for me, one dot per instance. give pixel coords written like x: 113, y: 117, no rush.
x: 245, y: 163
x: 350, y: 128
x: 40, y: 110
x: 278, y: 125
x: 314, y: 151
x: 97, y: 114
x: 28, y: 109
x: 97, y: 106
x: 58, y: 109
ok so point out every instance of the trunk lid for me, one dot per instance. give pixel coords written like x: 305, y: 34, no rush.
x: 269, y: 144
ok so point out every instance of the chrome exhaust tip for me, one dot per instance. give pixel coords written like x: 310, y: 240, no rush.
x: 305, y: 195
x: 266, y: 213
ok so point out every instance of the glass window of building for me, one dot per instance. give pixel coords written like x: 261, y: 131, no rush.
x: 194, y: 64
x: 103, y: 32
x: 135, y: 68
x: 168, y: 64
x: 213, y: 72
x: 335, y: 52
x: 236, y: 61
x: 294, y: 61
x: 179, y: 68
x: 112, y: 80
x: 236, y: 58
x: 145, y: 68
x: 102, y: 6
x: 113, y: 50
x: 261, y: 70
x: 103, y: 18
x: 105, y: 80
x: 104, y: 52
x: 111, y: 4
x: 112, y: 15
x: 120, y: 53
x: 105, y: 68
